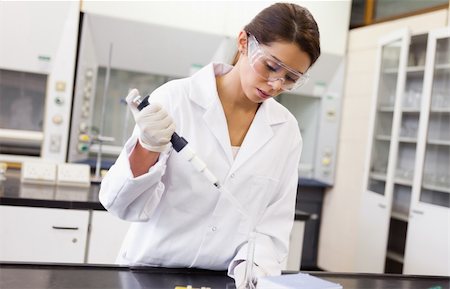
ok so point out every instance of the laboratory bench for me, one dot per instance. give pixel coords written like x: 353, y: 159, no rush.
x: 60, y: 276
x: 70, y: 225
x: 15, y: 193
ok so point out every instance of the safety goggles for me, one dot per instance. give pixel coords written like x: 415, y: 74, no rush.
x: 269, y: 68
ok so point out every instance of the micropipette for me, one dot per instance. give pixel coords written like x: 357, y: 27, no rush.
x: 182, y: 146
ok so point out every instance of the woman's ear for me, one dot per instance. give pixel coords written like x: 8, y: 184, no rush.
x: 242, y: 42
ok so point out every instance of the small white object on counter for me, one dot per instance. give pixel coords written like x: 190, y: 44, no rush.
x: 295, y: 281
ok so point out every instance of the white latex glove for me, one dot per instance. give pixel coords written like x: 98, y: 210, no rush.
x: 239, y: 274
x: 155, y: 125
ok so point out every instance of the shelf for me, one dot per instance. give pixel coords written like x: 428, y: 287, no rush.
x: 399, y: 216
x: 438, y: 142
x: 404, y: 182
x: 416, y: 69
x: 411, y: 110
x: 392, y: 70
x: 442, y: 66
x: 394, y: 256
x: 433, y: 187
x: 413, y: 69
x: 440, y: 110
x: 385, y: 108
x: 407, y: 139
x: 420, y: 68
x: 378, y: 176
x: 383, y: 137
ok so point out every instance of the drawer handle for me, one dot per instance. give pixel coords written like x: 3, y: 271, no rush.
x: 64, y: 228
x: 383, y: 206
x: 417, y: 212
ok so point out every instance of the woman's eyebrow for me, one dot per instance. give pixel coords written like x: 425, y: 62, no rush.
x: 277, y: 59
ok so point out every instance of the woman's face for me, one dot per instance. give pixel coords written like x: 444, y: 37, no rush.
x: 257, y: 88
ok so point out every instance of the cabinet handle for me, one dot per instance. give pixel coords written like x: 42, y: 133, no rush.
x: 64, y: 228
x: 382, y: 206
x: 417, y: 212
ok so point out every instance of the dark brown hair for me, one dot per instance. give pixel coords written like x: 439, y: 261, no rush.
x: 287, y: 22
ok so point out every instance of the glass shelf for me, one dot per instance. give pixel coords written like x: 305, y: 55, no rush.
x: 385, y: 108
x: 383, y: 137
x: 412, y: 110
x: 444, y: 66
x: 399, y: 216
x: 414, y: 69
x: 432, y: 187
x: 438, y: 142
x: 378, y: 176
x: 394, y: 256
x: 407, y: 140
x: 393, y: 70
x: 440, y: 110
x: 403, y: 181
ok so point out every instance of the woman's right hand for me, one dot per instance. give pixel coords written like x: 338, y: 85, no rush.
x: 155, y: 124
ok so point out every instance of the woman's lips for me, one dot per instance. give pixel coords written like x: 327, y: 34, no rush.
x: 263, y: 94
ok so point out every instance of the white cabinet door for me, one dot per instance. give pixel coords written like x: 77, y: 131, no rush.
x: 427, y: 249
x: 380, y: 167
x: 107, y: 234
x: 294, y: 257
x: 372, y: 240
x: 42, y: 235
x: 428, y: 240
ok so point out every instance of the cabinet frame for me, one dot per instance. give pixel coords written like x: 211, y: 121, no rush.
x: 426, y: 244
x: 379, y: 206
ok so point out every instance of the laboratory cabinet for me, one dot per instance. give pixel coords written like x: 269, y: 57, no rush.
x: 31, y: 234
x: 37, y: 64
x: 317, y: 108
x: 405, y: 216
x: 105, y: 237
x: 43, y: 235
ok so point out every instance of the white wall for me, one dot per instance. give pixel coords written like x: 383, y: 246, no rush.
x: 227, y: 17
x: 341, y: 208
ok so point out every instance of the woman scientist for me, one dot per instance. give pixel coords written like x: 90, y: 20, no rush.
x: 249, y: 141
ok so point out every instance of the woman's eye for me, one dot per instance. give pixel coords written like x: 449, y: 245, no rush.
x: 291, y: 78
x: 270, y: 67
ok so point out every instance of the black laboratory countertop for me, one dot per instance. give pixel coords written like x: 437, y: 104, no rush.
x: 15, y: 193
x: 48, y: 276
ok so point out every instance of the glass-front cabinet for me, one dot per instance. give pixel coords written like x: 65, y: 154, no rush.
x: 406, y: 205
x: 427, y: 248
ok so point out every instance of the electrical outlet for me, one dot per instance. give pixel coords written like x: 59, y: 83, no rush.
x: 38, y: 173
x: 76, y: 175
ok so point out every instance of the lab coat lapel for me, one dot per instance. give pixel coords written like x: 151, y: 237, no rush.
x: 216, y: 122
x: 203, y: 91
x: 260, y: 133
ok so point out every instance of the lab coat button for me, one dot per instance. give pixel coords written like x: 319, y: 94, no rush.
x: 214, y: 228
x: 232, y: 175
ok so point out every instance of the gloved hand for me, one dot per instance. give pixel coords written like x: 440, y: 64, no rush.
x: 155, y: 125
x: 239, y: 274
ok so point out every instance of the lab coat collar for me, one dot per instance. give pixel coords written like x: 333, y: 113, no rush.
x: 203, y: 91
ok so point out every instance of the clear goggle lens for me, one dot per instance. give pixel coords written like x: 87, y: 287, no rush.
x: 271, y: 69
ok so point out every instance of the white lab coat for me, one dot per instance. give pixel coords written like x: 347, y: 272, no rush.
x: 179, y: 218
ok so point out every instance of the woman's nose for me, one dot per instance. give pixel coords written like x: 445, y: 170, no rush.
x: 276, y: 83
